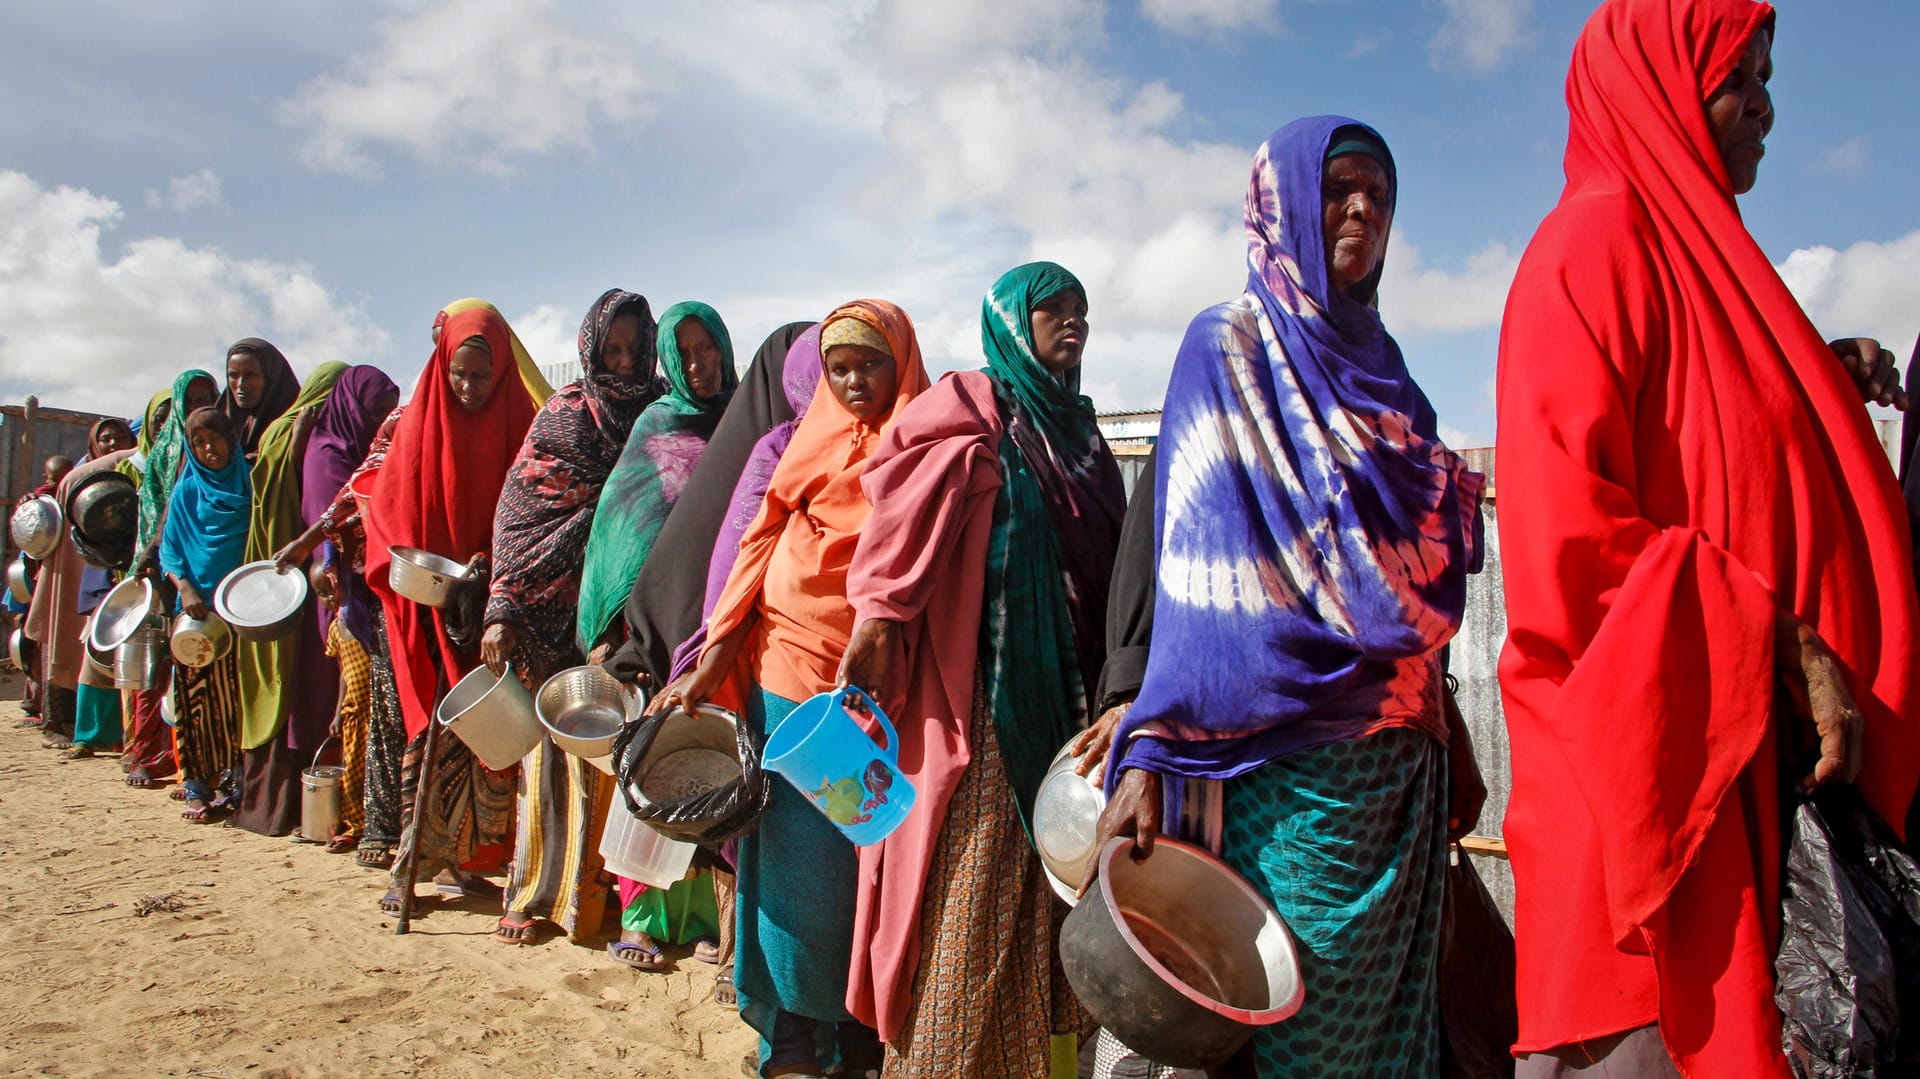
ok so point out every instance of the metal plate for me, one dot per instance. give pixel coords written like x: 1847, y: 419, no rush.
x: 256, y: 596
x: 123, y: 611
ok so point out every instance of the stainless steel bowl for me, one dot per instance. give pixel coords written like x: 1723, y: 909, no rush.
x: 17, y: 649
x: 1178, y: 956
x: 37, y: 526
x: 197, y: 642
x: 425, y: 577
x: 260, y: 601
x: 122, y: 611
x: 583, y: 709
x: 138, y: 661
x: 101, y: 660
x: 17, y: 582
x: 1066, y: 823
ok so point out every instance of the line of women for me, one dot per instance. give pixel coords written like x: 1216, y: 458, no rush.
x: 1710, y: 598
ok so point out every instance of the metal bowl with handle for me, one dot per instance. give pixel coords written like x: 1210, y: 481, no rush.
x: 1178, y: 956
x: 493, y: 715
x: 37, y: 526
x: 260, y: 601
x: 17, y: 649
x: 17, y: 582
x: 425, y: 577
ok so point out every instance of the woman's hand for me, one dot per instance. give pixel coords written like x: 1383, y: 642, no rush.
x: 1093, y: 744
x: 299, y: 550
x: 497, y: 645
x: 1873, y: 370
x: 868, y: 653
x: 1466, y: 790
x: 694, y: 688
x: 1817, y: 689
x: 1133, y: 810
x: 191, y: 602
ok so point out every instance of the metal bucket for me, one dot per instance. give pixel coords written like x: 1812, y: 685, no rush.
x: 320, y: 801
x: 493, y: 716
x: 137, y: 663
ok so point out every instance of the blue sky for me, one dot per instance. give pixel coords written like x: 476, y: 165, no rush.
x: 174, y: 177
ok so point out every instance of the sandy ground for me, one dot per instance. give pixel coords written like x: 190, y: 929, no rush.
x: 278, y: 962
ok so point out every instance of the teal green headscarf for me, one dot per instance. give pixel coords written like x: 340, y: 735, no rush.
x: 163, y: 458
x: 1052, y: 402
x: 666, y: 442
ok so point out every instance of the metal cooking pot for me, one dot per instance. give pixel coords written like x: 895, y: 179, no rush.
x: 17, y: 582
x: 1178, y: 956
x: 37, y: 526
x: 115, y: 557
x: 425, y: 577
x: 138, y: 662
x: 103, y: 508
x: 17, y: 649
x: 493, y: 716
x: 260, y: 601
x: 583, y: 708
x: 122, y: 611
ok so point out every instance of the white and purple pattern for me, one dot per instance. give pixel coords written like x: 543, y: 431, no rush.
x: 1314, y: 534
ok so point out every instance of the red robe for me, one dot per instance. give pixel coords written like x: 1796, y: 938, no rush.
x: 1680, y: 457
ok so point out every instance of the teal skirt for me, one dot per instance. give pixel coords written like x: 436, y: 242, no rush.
x: 794, y: 907
x: 96, y: 720
x: 1349, y: 843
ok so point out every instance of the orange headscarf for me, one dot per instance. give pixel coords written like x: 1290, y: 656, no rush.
x: 795, y: 555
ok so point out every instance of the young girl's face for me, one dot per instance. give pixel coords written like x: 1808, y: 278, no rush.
x: 211, y: 449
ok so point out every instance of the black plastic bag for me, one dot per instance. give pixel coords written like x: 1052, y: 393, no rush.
x: 726, y: 812
x: 1848, y: 967
x: 1479, y: 1020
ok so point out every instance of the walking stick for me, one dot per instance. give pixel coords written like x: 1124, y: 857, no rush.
x: 422, y: 785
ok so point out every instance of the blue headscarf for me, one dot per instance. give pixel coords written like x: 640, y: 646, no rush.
x: 1312, y: 529
x: 205, y: 537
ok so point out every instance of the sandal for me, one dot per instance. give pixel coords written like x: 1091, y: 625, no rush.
x: 197, y: 812
x: 509, y: 931
x: 707, y: 950
x: 57, y: 741
x: 177, y: 794
x: 390, y: 903
x: 647, y: 957
x: 32, y: 723
x: 724, y: 995
x: 343, y: 844
x: 374, y: 855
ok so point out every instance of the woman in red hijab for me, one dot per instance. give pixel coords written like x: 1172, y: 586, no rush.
x: 1709, y: 580
x: 437, y: 491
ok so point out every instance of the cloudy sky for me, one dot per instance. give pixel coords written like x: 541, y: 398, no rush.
x: 176, y: 176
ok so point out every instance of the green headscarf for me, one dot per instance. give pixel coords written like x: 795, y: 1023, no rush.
x: 164, y: 449
x: 275, y: 523
x: 1052, y: 403
x: 665, y: 444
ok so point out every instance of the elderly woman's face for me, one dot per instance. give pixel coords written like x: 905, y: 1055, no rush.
x: 699, y: 357
x: 864, y: 380
x: 113, y: 436
x: 201, y: 393
x: 1060, y: 331
x: 245, y: 380
x: 1358, y: 203
x: 470, y: 374
x: 626, y: 347
x: 1740, y: 113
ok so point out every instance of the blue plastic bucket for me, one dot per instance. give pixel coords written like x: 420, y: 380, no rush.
x: 824, y: 752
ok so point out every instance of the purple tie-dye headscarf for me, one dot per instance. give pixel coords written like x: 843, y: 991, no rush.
x: 1312, y: 529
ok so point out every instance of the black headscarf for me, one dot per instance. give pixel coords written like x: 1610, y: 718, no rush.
x: 664, y: 607
x: 282, y: 387
x: 1130, y: 599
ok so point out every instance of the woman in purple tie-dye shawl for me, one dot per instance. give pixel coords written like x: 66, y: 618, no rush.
x: 1314, y: 538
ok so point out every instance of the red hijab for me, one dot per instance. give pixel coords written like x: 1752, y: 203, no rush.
x: 1681, y: 456
x: 437, y: 491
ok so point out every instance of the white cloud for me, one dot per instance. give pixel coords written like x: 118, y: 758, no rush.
x: 1213, y: 16
x: 475, y: 83
x: 90, y: 330
x: 1365, y: 44
x: 918, y: 30
x: 1416, y: 298
x: 1850, y: 158
x: 1477, y: 34
x: 199, y: 191
x: 1864, y: 291
x: 552, y: 336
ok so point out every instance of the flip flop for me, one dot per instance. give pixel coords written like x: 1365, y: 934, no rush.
x: 637, y: 956
x: 343, y: 844
x: 507, y: 931
x: 197, y: 814
x: 724, y: 996
x: 373, y: 855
